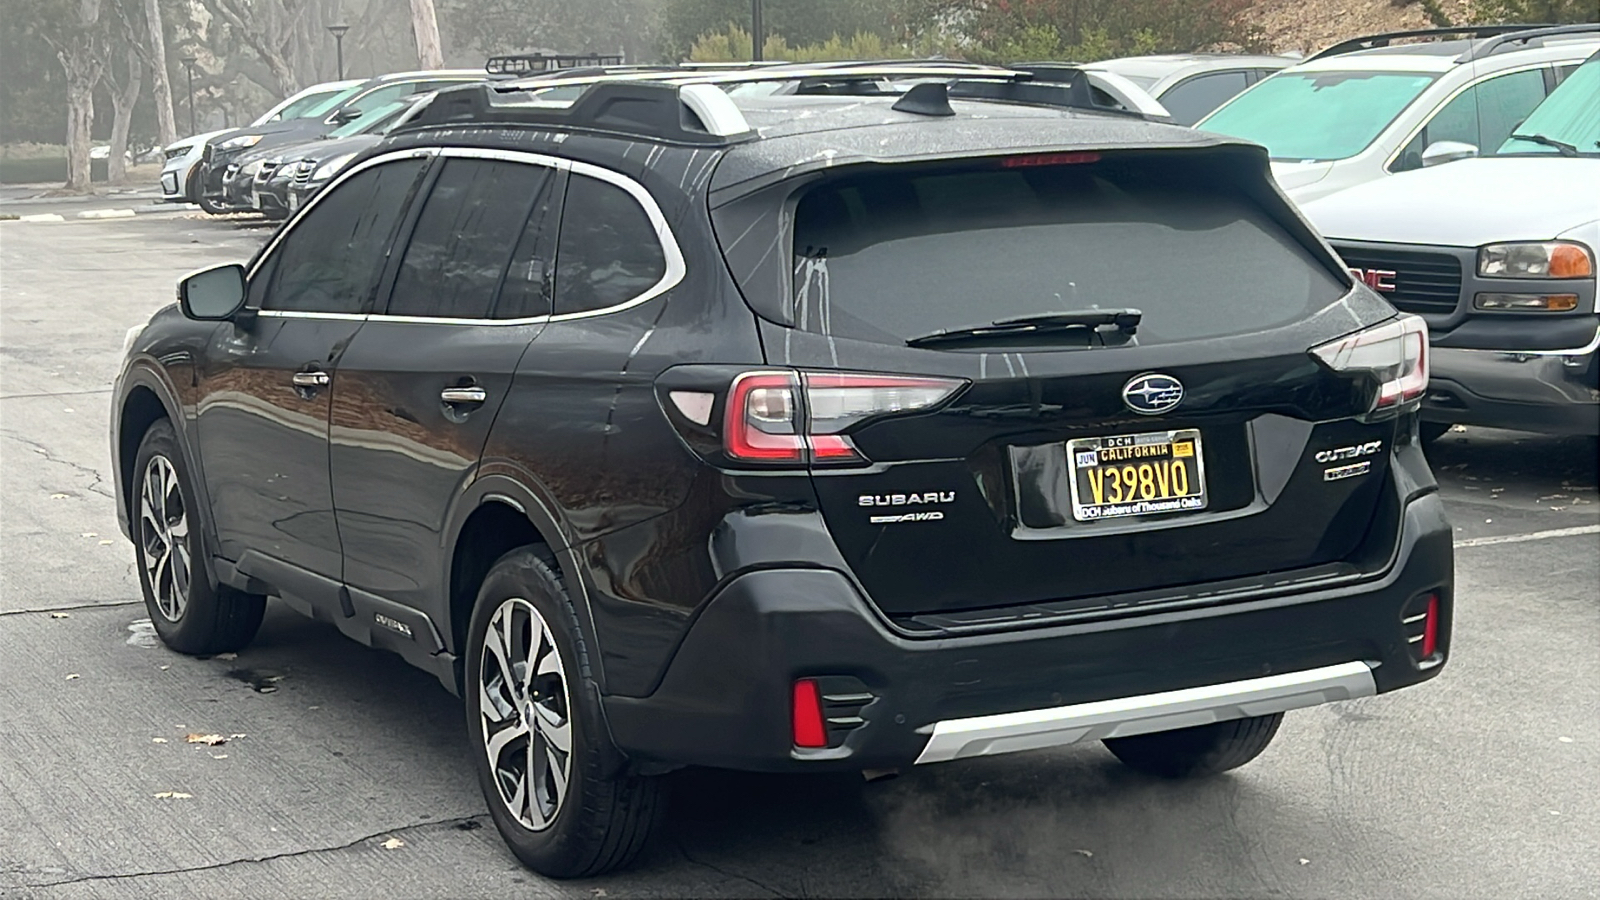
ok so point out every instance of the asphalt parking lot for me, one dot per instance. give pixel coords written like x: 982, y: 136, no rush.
x: 341, y: 772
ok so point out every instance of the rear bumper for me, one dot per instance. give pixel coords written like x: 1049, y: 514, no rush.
x: 725, y: 698
x: 1553, y: 391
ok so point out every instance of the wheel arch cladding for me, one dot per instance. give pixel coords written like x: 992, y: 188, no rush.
x: 140, y: 410
x: 492, y: 530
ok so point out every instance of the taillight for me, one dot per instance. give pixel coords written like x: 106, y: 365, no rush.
x: 790, y: 417
x: 1396, y: 353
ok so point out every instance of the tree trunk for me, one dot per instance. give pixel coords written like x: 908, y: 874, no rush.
x: 425, y: 23
x: 122, y: 103
x: 160, y: 84
x: 80, y: 119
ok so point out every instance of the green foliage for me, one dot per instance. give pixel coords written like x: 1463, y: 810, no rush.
x: 801, y: 22
x: 1556, y: 11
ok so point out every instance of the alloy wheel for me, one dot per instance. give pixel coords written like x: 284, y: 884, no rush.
x: 526, y: 721
x: 164, y: 538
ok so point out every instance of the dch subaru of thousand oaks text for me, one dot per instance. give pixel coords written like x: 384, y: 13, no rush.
x: 798, y: 433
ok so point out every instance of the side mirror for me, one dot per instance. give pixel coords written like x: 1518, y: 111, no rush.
x: 213, y: 295
x: 347, y: 115
x: 1441, y: 152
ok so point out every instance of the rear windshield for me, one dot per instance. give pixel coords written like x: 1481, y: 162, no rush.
x: 890, y: 256
x: 1317, y: 116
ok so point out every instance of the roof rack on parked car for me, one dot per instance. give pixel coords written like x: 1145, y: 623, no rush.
x: 1519, y: 39
x: 528, y: 63
x: 696, y: 114
x: 1372, y: 41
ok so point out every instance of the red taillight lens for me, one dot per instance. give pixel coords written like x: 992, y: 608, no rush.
x: 780, y: 417
x: 1430, y: 628
x: 808, y: 726
x: 1396, y: 352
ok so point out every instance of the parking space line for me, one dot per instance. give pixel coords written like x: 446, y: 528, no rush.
x: 1533, y: 536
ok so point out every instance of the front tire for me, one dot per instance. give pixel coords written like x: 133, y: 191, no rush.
x: 188, y: 612
x: 539, y: 740
x: 1199, y: 751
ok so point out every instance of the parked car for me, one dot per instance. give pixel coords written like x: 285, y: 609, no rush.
x: 1368, y: 108
x: 286, y: 180
x: 226, y: 176
x: 1498, y: 254
x: 797, y: 433
x: 179, y: 183
x: 1191, y: 85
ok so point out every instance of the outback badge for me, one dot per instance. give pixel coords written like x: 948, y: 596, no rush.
x: 1152, y: 393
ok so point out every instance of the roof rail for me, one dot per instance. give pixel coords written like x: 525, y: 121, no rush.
x: 1503, y: 41
x: 1371, y: 41
x: 693, y: 114
x: 529, y: 63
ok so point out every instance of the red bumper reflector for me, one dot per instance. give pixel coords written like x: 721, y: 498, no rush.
x: 809, y: 729
x: 1430, y: 627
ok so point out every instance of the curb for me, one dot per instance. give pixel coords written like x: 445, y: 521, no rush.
x: 105, y: 214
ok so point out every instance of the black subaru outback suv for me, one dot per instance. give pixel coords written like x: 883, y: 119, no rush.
x: 803, y: 433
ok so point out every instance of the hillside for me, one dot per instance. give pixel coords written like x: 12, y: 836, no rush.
x: 1310, y: 25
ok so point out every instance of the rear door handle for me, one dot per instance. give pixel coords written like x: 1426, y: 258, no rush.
x: 310, y: 379
x: 464, y: 395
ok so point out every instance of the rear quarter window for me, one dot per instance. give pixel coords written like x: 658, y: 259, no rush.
x: 888, y: 256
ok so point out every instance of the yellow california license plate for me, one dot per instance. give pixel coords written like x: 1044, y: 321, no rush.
x: 1136, y: 474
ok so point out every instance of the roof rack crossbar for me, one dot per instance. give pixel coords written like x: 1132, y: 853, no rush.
x: 1503, y: 41
x: 691, y: 114
x: 529, y: 63
x: 1371, y: 41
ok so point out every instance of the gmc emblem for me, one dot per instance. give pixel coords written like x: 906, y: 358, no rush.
x: 1377, y: 279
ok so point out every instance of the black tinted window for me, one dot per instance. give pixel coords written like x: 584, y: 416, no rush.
x: 887, y: 257
x: 463, y: 240
x: 1189, y: 101
x: 331, y: 260
x: 609, y: 252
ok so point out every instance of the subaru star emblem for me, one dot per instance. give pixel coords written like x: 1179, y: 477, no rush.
x: 1152, y: 394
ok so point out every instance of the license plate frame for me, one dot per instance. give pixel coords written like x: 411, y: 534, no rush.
x: 1087, y: 455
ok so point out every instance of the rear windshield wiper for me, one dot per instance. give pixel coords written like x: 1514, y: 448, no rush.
x: 1548, y: 141
x: 1125, y: 320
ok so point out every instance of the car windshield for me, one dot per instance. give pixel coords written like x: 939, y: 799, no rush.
x: 1317, y: 116
x: 1570, y: 115
x: 302, y: 107
x: 326, y: 103
x: 377, y: 121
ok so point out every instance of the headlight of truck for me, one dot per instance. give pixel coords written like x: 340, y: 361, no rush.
x: 327, y: 169
x: 1536, y: 259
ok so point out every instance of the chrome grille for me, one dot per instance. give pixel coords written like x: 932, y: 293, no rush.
x: 1423, y: 282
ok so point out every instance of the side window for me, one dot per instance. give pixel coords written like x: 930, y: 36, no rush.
x: 530, y: 279
x: 469, y: 225
x: 330, y: 261
x: 1483, y: 115
x: 1561, y: 72
x: 609, y: 252
x: 1191, y: 99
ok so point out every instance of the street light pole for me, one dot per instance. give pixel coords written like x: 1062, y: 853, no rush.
x: 757, y: 32
x: 338, y: 44
x: 188, y: 66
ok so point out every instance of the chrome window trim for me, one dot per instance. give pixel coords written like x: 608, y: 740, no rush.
x: 677, y: 268
x: 1394, y: 155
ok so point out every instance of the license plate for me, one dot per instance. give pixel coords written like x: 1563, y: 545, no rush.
x: 1136, y: 475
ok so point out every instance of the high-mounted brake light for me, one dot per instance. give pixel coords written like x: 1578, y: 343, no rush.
x: 1049, y: 159
x: 788, y: 417
x: 1396, y: 352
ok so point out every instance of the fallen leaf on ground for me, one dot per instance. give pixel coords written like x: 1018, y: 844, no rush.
x: 1304, y: 861
x: 1564, y: 739
x: 72, y: 676
x: 234, y: 736
x: 219, y: 756
x: 229, y: 655
x: 158, y: 740
x: 163, y: 668
x: 88, y: 534
x: 210, y: 740
x: 173, y: 795
x: 58, y: 496
x: 61, y: 615
x: 106, y: 543
x: 1085, y: 853
x: 392, y: 844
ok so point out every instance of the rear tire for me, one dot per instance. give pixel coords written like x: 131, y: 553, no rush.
x: 1199, y: 751
x: 188, y: 612
x: 540, y: 747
